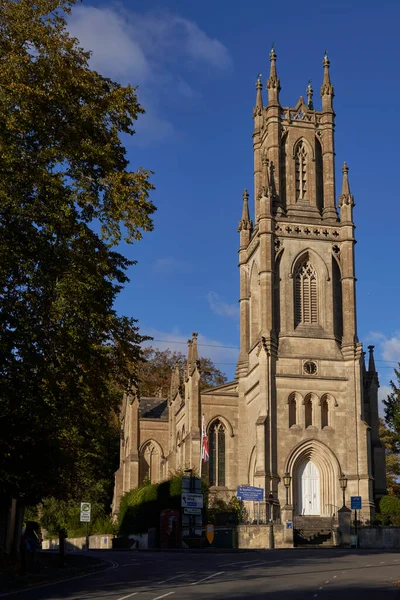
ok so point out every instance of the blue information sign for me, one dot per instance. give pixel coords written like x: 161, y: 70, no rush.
x: 355, y: 502
x: 248, y: 492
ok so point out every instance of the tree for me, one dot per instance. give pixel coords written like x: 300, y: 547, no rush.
x: 67, y: 197
x: 388, y: 439
x: 155, y: 372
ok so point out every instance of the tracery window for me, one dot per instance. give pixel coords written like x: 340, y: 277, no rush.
x: 306, y: 300
x: 301, y: 171
x: 150, y: 463
x: 217, y: 453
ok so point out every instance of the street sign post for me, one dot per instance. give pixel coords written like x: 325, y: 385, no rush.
x: 192, y: 511
x: 191, y: 500
x: 250, y: 493
x: 85, y: 512
x: 356, y: 504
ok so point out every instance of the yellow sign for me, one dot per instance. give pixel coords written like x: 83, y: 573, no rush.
x: 210, y: 533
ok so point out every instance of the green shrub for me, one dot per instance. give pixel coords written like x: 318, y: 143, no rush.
x: 389, y: 508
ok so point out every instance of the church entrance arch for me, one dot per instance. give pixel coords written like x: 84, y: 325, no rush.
x: 315, y: 473
x: 309, y: 489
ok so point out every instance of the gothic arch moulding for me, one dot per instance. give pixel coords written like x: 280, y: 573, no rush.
x: 329, y: 472
x: 151, y: 460
x: 315, y: 258
x: 308, y: 147
x: 224, y: 421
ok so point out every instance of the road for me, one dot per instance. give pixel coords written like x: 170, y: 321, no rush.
x: 301, y: 574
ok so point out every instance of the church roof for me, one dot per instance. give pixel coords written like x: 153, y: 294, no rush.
x: 153, y: 408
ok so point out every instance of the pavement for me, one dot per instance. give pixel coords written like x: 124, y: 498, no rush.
x: 299, y: 574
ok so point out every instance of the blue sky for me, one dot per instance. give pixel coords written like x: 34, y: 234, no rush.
x: 196, y: 64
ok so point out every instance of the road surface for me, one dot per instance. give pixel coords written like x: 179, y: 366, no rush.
x: 300, y: 574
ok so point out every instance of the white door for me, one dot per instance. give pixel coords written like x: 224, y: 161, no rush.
x: 309, y: 499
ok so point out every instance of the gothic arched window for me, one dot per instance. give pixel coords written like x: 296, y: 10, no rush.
x: 217, y: 453
x: 308, y: 409
x: 306, y: 300
x: 301, y: 171
x: 292, y: 410
x: 150, y: 463
x: 324, y: 413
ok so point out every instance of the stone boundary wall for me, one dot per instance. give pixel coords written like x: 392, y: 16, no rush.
x: 96, y: 542
x: 259, y: 537
x: 379, y: 537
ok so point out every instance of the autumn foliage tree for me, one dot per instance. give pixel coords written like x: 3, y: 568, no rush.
x: 155, y: 372
x: 67, y: 197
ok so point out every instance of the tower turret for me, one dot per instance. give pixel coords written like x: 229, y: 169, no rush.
x: 327, y: 91
x: 346, y: 200
x: 245, y: 224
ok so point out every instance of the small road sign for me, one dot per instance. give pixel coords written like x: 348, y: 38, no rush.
x: 289, y: 524
x: 192, y: 511
x: 191, y: 500
x: 356, y: 502
x: 248, y: 492
x: 210, y: 533
x: 85, y: 512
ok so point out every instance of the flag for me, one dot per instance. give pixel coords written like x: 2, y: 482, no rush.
x: 204, y: 442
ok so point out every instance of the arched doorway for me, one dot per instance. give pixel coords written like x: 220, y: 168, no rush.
x: 309, y: 501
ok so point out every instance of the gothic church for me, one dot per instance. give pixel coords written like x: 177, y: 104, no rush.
x: 303, y: 401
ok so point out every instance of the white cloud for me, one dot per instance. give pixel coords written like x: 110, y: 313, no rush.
x: 222, y: 308
x: 383, y: 393
x: 389, y: 347
x: 150, y: 51
x: 223, y: 355
x: 169, y: 265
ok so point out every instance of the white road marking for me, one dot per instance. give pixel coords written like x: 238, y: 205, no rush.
x: 240, y: 562
x: 209, y: 577
x: 334, y: 577
x: 382, y: 562
x: 128, y: 596
x: 327, y: 581
x: 164, y: 596
x: 321, y: 588
x: 175, y: 577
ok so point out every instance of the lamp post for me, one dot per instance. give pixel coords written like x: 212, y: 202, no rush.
x: 286, y: 482
x: 343, y: 485
x: 191, y: 518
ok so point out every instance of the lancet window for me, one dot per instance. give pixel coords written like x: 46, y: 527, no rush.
x: 217, y: 453
x: 306, y: 299
x: 301, y: 171
x: 292, y: 410
x: 150, y: 463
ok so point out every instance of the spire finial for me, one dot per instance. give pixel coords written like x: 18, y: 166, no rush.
x: 195, y: 356
x: 245, y: 222
x: 346, y: 197
x: 259, y: 101
x: 273, y: 83
x: 327, y: 92
x: 310, y: 93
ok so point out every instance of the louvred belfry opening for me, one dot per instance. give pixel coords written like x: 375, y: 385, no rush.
x: 306, y: 300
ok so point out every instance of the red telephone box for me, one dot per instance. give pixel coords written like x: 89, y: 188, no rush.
x: 170, y: 535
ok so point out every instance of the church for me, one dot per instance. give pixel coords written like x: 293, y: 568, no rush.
x: 304, y: 401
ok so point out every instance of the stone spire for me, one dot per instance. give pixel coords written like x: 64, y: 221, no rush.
x: 327, y: 92
x: 371, y: 362
x: 310, y: 93
x: 245, y: 224
x: 189, y: 359
x: 257, y: 112
x: 195, y: 354
x: 345, y: 197
x: 175, y: 381
x: 273, y: 83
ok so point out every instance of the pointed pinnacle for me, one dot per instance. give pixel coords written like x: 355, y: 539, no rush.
x: 259, y: 101
x: 346, y: 197
x: 245, y: 222
x: 327, y: 87
x: 371, y: 363
x: 273, y: 80
x: 195, y: 355
x: 310, y: 93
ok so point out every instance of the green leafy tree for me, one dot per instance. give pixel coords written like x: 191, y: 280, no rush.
x: 67, y: 197
x: 155, y: 372
x: 392, y: 458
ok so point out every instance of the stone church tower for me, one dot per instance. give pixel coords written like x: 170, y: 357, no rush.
x: 303, y: 401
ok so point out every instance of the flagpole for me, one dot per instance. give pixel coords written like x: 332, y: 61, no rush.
x: 201, y: 446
